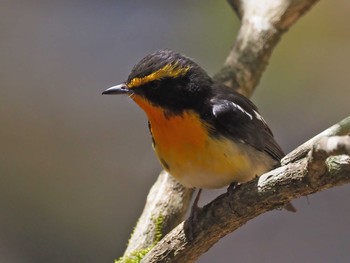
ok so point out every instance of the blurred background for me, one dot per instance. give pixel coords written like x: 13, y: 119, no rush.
x: 75, y: 166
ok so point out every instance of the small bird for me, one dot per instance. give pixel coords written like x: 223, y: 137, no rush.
x: 204, y: 134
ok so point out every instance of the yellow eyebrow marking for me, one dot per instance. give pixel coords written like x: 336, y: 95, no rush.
x: 169, y: 70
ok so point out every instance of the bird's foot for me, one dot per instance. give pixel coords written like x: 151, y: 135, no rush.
x: 230, y: 190
x: 191, y: 221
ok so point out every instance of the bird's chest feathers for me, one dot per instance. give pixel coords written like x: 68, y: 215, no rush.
x: 178, y: 134
x: 175, y: 134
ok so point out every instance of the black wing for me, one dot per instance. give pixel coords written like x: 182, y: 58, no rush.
x: 238, y: 118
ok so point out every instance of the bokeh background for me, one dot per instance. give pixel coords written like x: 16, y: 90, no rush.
x: 75, y: 166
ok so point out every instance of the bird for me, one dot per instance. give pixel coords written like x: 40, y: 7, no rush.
x: 204, y: 133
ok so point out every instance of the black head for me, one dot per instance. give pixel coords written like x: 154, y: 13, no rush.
x: 169, y: 80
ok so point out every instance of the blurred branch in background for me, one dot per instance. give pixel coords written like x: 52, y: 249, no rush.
x: 262, y: 25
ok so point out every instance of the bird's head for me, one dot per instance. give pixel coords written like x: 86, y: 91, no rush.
x: 168, y: 80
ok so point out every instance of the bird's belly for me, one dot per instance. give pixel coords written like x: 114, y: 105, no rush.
x: 188, y: 152
x: 215, y: 165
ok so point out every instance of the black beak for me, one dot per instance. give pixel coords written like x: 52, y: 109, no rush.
x: 119, y: 89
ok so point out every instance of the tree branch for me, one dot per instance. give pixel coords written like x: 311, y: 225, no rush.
x: 262, y: 24
x: 166, y: 205
x: 313, y: 173
x: 341, y: 128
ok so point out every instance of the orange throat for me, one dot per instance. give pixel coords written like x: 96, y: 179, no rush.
x: 172, y: 132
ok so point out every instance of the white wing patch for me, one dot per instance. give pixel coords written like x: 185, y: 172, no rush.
x: 259, y: 117
x: 242, y: 110
x: 229, y: 104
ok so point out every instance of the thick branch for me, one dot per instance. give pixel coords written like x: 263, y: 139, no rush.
x: 322, y: 149
x: 330, y: 146
x: 166, y: 204
x: 270, y: 191
x: 341, y: 128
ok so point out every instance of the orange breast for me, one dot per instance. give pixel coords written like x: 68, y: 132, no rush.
x: 172, y: 132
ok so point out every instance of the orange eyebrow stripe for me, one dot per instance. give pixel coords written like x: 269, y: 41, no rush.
x: 169, y: 70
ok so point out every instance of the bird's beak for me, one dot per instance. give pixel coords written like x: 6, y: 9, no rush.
x: 119, y: 89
